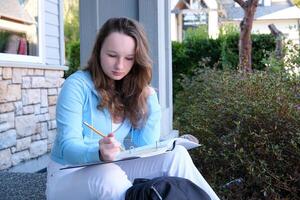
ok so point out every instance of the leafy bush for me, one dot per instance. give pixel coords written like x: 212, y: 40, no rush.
x: 221, y: 53
x: 72, y: 40
x: 296, y: 2
x: 73, y: 57
x: 292, y: 58
x: 197, y: 50
x: 230, y: 51
x: 4, y: 36
x: 180, y: 63
x: 71, y: 21
x: 261, y: 43
x: 194, y: 34
x: 249, y: 126
x: 289, y: 63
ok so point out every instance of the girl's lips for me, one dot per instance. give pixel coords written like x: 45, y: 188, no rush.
x: 117, y: 73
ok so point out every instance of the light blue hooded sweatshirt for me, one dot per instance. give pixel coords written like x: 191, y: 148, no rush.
x: 77, y: 103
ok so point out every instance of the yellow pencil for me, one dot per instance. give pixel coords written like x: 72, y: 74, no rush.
x: 95, y: 130
x: 98, y: 132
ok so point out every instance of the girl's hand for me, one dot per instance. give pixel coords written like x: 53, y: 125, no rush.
x: 109, y: 147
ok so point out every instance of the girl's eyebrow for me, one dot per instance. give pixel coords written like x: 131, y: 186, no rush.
x: 112, y: 51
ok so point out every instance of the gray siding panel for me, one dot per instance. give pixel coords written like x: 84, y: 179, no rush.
x: 128, y: 8
x: 51, y: 7
x: 51, y: 61
x: 88, y: 29
x: 52, y: 19
x: 52, y: 32
x: 52, y: 41
x: 53, y: 53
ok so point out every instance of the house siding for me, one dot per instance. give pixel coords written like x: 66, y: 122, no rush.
x: 53, y: 44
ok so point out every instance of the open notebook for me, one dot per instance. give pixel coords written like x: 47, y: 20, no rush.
x: 145, y: 151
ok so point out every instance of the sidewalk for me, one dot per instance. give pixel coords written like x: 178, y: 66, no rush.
x: 17, y: 186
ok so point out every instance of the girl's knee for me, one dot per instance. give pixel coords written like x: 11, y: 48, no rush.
x: 180, y: 156
x: 108, y: 181
x: 181, y: 152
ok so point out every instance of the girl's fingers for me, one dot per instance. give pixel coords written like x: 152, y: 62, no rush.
x: 109, y: 143
x: 111, y: 135
x: 109, y: 147
x: 110, y: 138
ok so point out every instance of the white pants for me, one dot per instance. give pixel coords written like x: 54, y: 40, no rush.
x: 110, y: 181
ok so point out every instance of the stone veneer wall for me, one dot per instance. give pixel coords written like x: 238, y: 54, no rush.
x: 27, y: 113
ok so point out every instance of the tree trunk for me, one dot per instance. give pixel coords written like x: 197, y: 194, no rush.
x: 245, y: 43
x: 279, y: 41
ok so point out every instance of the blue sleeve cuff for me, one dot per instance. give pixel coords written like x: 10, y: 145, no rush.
x: 92, y: 154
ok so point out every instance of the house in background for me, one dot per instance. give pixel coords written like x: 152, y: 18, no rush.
x: 192, y: 13
x: 282, y: 13
x: 31, y: 70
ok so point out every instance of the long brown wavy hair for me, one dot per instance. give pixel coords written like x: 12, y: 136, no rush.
x: 126, y: 98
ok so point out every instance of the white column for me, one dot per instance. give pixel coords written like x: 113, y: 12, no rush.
x: 267, y: 2
x: 213, y: 24
x: 179, y: 27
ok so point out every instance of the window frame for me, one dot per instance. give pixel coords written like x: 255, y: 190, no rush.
x: 40, y: 59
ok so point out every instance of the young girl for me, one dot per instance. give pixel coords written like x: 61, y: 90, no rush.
x: 113, y: 94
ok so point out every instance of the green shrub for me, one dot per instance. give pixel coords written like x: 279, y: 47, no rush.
x: 221, y: 53
x: 194, y: 34
x: 289, y: 63
x: 199, y: 47
x: 249, y: 127
x: 292, y: 58
x: 4, y: 36
x: 73, y: 57
x: 180, y: 63
x: 230, y: 51
x: 261, y: 43
x: 197, y: 50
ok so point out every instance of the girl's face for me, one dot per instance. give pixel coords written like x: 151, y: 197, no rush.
x: 117, y: 55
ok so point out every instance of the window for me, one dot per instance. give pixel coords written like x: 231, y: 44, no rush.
x: 194, y: 19
x: 20, y: 31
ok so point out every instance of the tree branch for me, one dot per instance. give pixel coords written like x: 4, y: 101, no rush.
x: 242, y: 3
x: 253, y: 2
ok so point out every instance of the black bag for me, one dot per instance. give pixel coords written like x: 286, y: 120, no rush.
x: 165, y: 188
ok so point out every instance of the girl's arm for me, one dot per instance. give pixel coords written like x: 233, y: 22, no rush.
x: 69, y: 113
x: 150, y: 132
